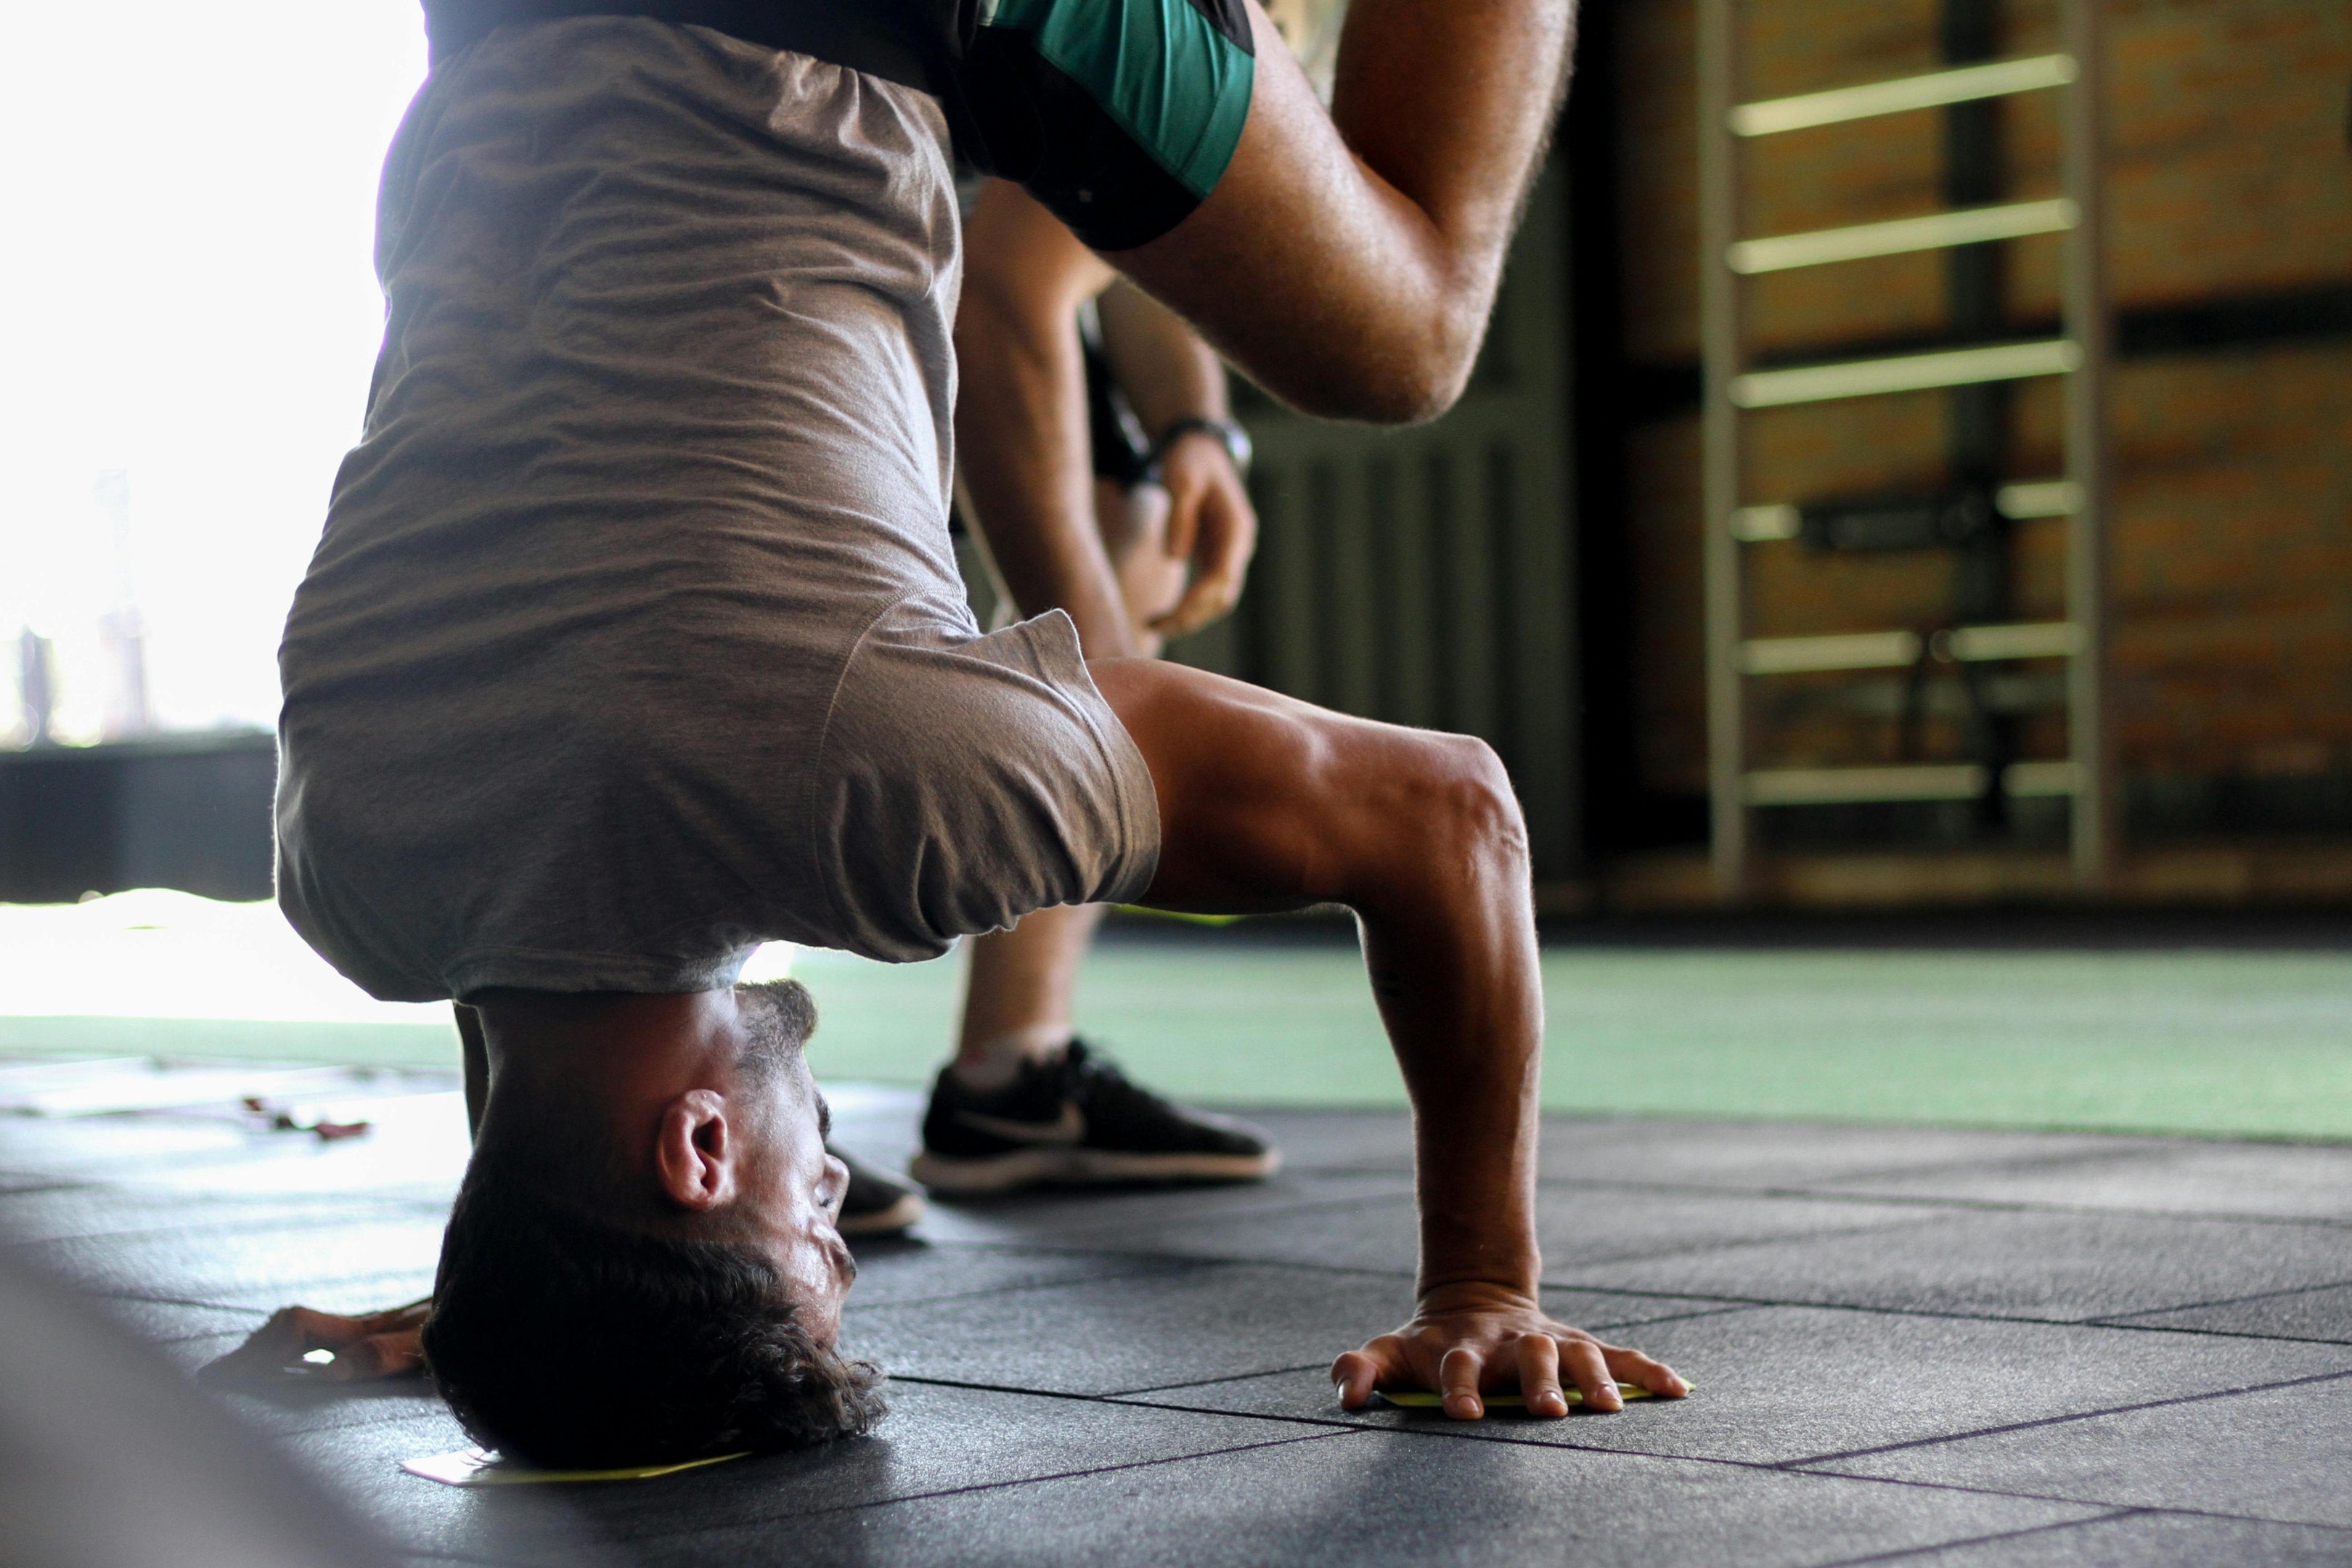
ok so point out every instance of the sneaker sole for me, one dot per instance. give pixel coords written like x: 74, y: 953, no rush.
x: 1066, y: 1167
x: 882, y: 1222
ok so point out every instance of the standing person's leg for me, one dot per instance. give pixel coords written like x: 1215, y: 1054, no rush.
x: 1018, y: 1055
x: 1019, y: 984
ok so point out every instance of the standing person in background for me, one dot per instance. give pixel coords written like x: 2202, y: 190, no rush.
x: 1106, y: 478
x: 1103, y: 466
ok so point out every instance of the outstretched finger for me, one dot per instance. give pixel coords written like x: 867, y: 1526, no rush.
x: 1457, y: 1379
x: 1581, y: 1360
x: 1634, y: 1367
x: 1358, y: 1373
x: 1539, y: 1376
x: 394, y: 1355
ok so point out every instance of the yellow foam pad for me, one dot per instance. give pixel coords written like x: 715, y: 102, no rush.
x: 1422, y: 1399
x: 484, y: 1467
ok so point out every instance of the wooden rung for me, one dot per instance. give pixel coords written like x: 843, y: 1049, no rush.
x: 1850, y: 650
x: 1921, y: 781
x: 1935, y: 231
x: 2038, y: 497
x: 1904, y: 373
x: 1996, y: 78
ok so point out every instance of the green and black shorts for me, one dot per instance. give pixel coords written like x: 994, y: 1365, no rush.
x: 1118, y: 115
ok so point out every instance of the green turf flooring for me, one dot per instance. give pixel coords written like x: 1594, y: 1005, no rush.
x: 2219, y: 1042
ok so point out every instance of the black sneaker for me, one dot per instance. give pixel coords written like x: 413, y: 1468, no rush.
x: 875, y: 1204
x: 1076, y: 1121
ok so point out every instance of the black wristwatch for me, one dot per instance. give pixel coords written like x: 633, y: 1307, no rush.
x: 1234, y: 439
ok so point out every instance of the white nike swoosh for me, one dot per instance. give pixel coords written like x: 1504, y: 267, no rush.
x: 1070, y: 1128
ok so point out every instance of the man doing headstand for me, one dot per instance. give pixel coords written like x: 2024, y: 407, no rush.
x: 634, y: 639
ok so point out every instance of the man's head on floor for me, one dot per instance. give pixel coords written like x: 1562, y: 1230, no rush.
x: 642, y: 1263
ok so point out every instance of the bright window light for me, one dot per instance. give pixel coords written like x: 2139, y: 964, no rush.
x: 190, y: 315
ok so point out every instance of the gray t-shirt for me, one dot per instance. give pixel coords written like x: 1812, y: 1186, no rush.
x: 634, y: 637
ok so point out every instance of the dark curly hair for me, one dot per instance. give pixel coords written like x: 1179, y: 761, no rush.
x: 577, y: 1343
x: 584, y: 1341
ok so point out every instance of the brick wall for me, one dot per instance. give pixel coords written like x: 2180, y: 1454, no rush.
x: 2228, y: 178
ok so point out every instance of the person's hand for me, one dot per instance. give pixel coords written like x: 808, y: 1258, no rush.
x: 1466, y: 1339
x: 1211, y: 524
x: 375, y: 1346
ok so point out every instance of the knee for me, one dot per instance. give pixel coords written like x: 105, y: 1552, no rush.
x: 1476, y: 805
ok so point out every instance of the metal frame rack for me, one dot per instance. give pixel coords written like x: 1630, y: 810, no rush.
x: 1972, y: 369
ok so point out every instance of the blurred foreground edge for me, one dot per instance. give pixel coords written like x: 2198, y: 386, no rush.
x: 109, y: 1458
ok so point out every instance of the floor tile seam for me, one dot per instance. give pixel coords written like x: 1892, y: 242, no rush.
x: 1477, y: 1432
x: 208, y: 1306
x: 1900, y: 1554
x: 2274, y: 1336
x: 1127, y: 1394
x: 1065, y: 1394
x: 1219, y: 1261
x: 194, y: 1231
x: 44, y: 1182
x: 272, y: 1227
x: 1743, y: 1244
x: 977, y: 1486
x: 897, y: 1305
x: 1270, y: 1211
x: 2117, y: 1504
x: 309, y: 1282
x: 2130, y: 1327
x: 1881, y: 1310
x: 2007, y: 1427
x: 2241, y: 1300
x: 1908, y: 1200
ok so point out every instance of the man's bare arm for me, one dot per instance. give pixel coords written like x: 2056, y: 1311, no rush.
x: 1349, y: 261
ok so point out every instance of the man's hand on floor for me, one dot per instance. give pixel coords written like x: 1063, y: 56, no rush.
x: 377, y: 1346
x: 1468, y: 1338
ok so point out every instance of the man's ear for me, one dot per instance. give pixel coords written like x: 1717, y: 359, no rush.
x: 695, y: 1151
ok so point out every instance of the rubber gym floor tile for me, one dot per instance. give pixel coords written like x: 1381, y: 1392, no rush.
x: 1371, y: 1498
x: 1579, y: 1227
x: 1732, y: 1156
x: 354, y: 1261
x: 163, y: 1322
x: 360, y: 1463
x: 64, y: 1214
x: 1781, y: 1384
x: 2322, y: 1315
x: 2279, y: 1180
x: 2269, y: 1453
x: 117, y: 1148
x: 2152, y: 1541
x: 891, y: 1273
x: 1104, y: 1336
x: 1211, y: 1320
x: 2064, y: 1267
x: 1112, y: 1217
x: 1778, y: 1156
x: 934, y: 1440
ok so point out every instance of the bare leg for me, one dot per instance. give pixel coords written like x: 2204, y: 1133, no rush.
x: 1267, y: 803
